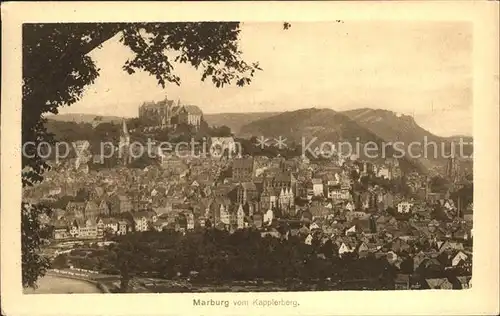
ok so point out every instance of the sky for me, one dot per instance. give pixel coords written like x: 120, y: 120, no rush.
x: 422, y: 69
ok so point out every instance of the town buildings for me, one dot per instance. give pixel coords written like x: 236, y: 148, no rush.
x: 355, y: 207
x: 243, y: 168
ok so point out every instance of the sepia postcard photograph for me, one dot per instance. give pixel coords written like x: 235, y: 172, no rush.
x: 278, y: 158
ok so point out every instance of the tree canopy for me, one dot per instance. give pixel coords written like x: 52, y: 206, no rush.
x: 216, y: 255
x: 57, y: 68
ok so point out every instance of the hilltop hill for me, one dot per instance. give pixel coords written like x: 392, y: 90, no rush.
x: 325, y: 124
x: 314, y: 127
x: 391, y: 126
x: 354, y: 126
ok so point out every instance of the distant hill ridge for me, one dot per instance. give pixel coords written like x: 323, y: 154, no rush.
x: 235, y: 120
x: 381, y: 122
x: 85, y: 118
x: 353, y: 126
x: 323, y: 124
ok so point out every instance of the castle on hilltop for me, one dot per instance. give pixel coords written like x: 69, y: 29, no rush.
x: 166, y: 114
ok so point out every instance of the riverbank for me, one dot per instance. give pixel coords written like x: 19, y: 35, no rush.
x: 56, y: 284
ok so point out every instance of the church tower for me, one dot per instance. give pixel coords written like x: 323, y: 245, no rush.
x: 453, y: 170
x: 124, y: 145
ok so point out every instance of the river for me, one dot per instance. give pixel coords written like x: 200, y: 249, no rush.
x: 51, y: 284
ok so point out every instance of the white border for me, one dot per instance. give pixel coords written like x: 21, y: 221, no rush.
x: 482, y: 298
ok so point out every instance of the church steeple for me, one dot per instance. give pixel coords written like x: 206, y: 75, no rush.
x: 124, y: 142
x: 124, y: 128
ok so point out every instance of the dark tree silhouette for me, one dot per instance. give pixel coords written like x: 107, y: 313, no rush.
x: 129, y: 257
x: 60, y: 262
x: 221, y: 131
x: 57, y: 68
x: 439, y: 184
x: 32, y: 236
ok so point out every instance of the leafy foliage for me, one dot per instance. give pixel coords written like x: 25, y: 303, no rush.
x: 439, y: 184
x: 33, y: 235
x: 221, y: 131
x: 60, y: 262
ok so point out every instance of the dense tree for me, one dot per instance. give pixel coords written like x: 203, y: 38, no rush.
x: 106, y: 131
x: 129, y: 257
x: 221, y: 131
x: 33, y: 235
x: 215, y: 255
x: 439, y: 184
x: 57, y: 69
x: 60, y: 262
